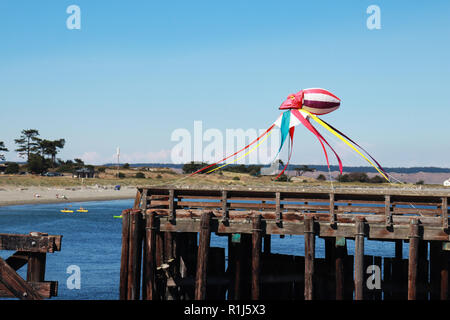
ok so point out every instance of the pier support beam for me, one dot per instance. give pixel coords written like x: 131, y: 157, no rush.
x: 413, y: 258
x: 202, y: 256
x: 149, y: 272
x: 340, y: 255
x: 359, y: 259
x: 309, y: 257
x: 134, y: 255
x: 124, y: 255
x: 256, y: 256
x: 36, y: 263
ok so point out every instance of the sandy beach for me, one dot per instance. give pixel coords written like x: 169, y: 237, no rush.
x: 13, y: 195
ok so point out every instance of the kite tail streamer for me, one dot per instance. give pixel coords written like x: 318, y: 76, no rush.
x: 224, y: 159
x: 342, y: 134
x: 309, y: 126
x: 326, y: 126
x: 251, y: 150
x: 291, y: 144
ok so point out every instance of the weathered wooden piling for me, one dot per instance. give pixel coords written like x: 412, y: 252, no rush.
x: 340, y: 255
x: 149, y: 265
x: 256, y: 255
x: 123, y: 286
x: 135, y: 255
x: 36, y: 263
x: 309, y: 257
x: 359, y: 258
x: 235, y: 261
x: 202, y: 257
x: 413, y: 259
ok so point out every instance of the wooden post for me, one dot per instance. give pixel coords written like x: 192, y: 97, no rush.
x: 387, y: 211
x: 340, y: 255
x: 134, y: 255
x: 143, y: 200
x: 359, y: 259
x: 149, y: 272
x: 160, y: 252
x: 422, y: 272
x: 172, y: 206
x: 413, y: 255
x: 236, y: 267
x: 327, y: 284
x: 444, y: 208
x: 137, y: 199
x: 397, y: 272
x: 187, y: 250
x: 278, y: 208
x: 309, y: 257
x: 224, y: 207
x: 332, y: 213
x: 202, y: 256
x: 168, y: 246
x: 256, y: 256
x: 36, y: 263
x: 124, y: 255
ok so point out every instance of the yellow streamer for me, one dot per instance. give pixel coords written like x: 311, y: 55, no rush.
x: 317, y: 119
x: 251, y: 150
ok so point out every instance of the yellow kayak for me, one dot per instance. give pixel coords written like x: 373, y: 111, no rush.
x: 82, y: 210
x: 66, y: 210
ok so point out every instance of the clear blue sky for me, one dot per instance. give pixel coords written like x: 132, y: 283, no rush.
x: 138, y: 70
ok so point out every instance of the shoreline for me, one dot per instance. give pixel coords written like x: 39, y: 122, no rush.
x: 49, y: 201
x: 13, y: 196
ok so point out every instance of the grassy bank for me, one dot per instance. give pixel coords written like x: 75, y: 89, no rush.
x: 167, y: 177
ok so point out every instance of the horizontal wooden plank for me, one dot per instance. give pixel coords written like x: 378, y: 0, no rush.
x: 297, y: 216
x: 339, y: 191
x: 46, y: 289
x: 293, y: 224
x: 24, y: 242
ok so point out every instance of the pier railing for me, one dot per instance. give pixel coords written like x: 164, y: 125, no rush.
x: 161, y: 230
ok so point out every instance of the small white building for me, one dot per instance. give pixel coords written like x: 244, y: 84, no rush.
x: 447, y: 183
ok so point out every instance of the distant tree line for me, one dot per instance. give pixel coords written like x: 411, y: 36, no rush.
x: 192, y: 167
x: 40, y: 154
x: 359, y: 177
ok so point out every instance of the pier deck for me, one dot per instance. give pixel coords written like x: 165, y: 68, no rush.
x: 162, y: 228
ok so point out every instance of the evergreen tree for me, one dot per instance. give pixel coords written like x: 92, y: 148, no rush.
x: 2, y: 148
x: 27, y: 143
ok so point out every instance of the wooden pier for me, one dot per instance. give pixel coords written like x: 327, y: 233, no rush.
x: 168, y: 232
x: 31, y: 250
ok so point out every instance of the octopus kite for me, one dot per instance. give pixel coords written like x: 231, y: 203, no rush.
x: 301, y: 108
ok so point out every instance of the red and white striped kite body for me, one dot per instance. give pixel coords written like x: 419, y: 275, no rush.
x: 315, y: 100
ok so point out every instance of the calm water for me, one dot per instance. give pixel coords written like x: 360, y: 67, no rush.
x: 92, y: 241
